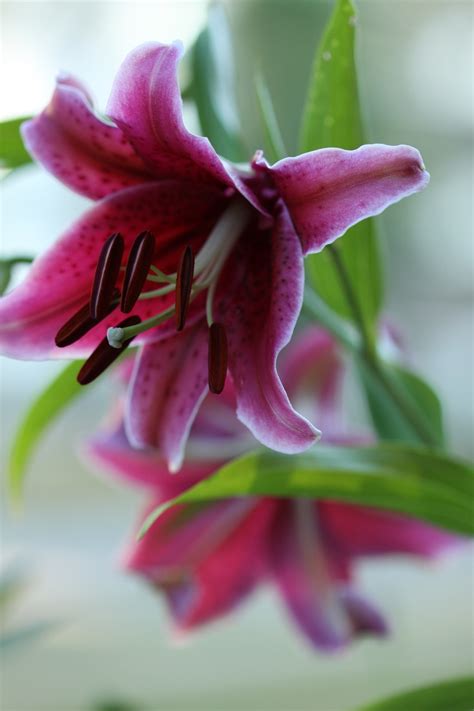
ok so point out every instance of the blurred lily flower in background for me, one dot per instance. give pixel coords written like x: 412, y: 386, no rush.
x: 207, y: 558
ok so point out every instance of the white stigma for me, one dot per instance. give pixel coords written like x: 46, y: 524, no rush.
x: 115, y: 337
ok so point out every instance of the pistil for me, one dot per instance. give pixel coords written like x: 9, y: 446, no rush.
x: 208, y: 266
x: 192, y: 277
x: 104, y: 355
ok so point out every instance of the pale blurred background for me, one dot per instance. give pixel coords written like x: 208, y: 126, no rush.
x: 111, y: 639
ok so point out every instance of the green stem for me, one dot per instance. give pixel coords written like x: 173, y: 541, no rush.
x: 344, y: 331
x: 403, y: 403
x: 369, y: 355
x: 351, y: 298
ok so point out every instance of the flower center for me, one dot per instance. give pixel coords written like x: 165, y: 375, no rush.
x: 193, y: 276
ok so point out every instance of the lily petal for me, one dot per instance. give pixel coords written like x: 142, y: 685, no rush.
x: 302, y: 575
x: 143, y: 467
x: 90, y: 156
x: 364, y: 617
x: 146, y: 104
x: 259, y: 307
x: 205, y: 559
x: 328, y: 190
x: 168, y: 386
x: 357, y: 530
x: 60, y: 281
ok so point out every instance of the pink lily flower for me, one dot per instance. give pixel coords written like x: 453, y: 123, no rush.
x: 182, y: 233
x: 206, y: 559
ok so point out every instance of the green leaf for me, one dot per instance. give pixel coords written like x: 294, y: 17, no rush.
x: 6, y: 270
x: 44, y: 410
x: 273, y: 140
x: 13, y: 153
x: 212, y: 86
x: 388, y: 420
x: 332, y: 117
x: 410, y: 480
x: 455, y: 695
x: 116, y: 705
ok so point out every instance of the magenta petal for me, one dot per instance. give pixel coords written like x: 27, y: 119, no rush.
x: 84, y: 152
x: 364, y: 617
x: 168, y: 386
x: 302, y: 575
x: 259, y: 307
x: 146, y: 103
x: 60, y: 281
x: 144, y: 467
x: 328, y: 190
x: 206, y: 560
x: 356, y: 531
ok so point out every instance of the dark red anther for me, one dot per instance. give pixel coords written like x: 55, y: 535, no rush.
x: 106, y: 274
x: 217, y: 358
x: 81, y: 323
x: 138, y: 264
x: 184, y: 282
x: 104, y: 355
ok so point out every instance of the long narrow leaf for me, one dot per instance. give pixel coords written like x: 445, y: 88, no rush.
x: 332, y: 117
x: 212, y: 86
x: 44, y: 410
x: 274, y: 145
x: 387, y: 418
x: 411, y: 480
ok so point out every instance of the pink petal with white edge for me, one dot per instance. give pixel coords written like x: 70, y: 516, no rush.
x: 328, y: 190
x: 259, y: 303
x: 60, y: 281
x: 356, y: 531
x: 205, y: 559
x: 144, y: 467
x: 167, y: 388
x: 90, y: 156
x: 146, y: 103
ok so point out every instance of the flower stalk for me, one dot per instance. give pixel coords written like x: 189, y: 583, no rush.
x: 370, y: 357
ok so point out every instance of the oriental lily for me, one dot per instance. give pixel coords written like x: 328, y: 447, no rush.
x: 206, y: 257
x: 207, y: 558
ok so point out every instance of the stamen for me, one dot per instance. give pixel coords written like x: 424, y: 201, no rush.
x: 217, y: 358
x: 106, y: 274
x: 138, y: 264
x: 82, y: 322
x: 184, y: 283
x: 104, y: 355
